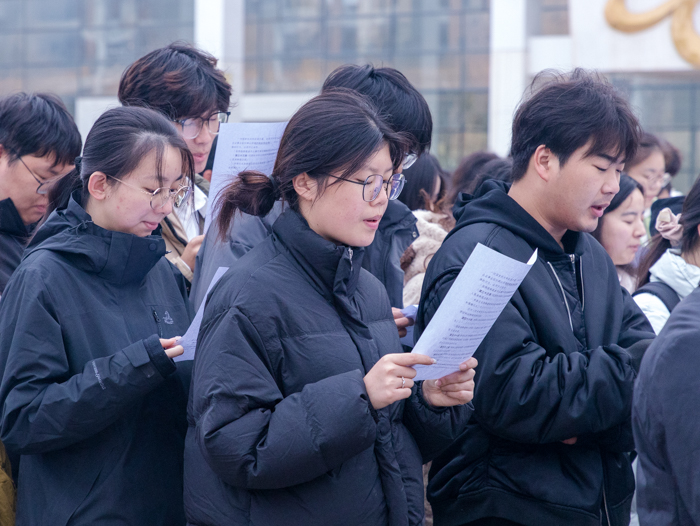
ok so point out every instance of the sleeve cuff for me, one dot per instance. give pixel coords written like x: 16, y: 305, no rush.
x: 419, y: 393
x: 159, y: 359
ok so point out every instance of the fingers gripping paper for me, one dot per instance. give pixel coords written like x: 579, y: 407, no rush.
x: 481, y: 291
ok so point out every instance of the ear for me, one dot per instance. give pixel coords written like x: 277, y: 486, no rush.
x: 306, y: 187
x: 98, y: 186
x: 545, y: 163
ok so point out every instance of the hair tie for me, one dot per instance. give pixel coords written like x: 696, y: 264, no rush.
x: 78, y: 162
x: 668, y: 225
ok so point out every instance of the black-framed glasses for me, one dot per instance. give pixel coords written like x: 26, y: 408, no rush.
x: 374, y: 183
x: 44, y: 186
x: 191, y: 128
x: 161, y: 196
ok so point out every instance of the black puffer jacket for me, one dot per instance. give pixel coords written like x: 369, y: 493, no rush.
x: 14, y: 235
x: 397, y: 230
x: 281, y: 428
x: 560, y: 362
x: 89, y: 399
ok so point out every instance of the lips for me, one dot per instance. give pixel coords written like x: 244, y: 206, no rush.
x: 151, y: 226
x: 373, y: 222
x: 599, y: 209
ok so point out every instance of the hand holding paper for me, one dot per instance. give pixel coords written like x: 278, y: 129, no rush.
x: 481, y: 291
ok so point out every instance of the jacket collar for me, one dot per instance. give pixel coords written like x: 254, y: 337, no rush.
x: 114, y: 256
x: 333, y: 269
x: 10, y: 221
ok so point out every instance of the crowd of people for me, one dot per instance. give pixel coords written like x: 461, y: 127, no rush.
x: 300, y: 405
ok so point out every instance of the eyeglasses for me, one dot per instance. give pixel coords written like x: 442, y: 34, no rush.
x: 191, y: 128
x: 408, y: 160
x: 44, y: 186
x: 161, y: 196
x: 374, y: 183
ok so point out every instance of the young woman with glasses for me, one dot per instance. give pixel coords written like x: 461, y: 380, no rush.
x: 304, y: 410
x: 183, y: 83
x: 90, y: 396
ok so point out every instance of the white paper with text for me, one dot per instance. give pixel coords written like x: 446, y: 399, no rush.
x: 189, y: 339
x: 477, y: 297
x: 242, y: 146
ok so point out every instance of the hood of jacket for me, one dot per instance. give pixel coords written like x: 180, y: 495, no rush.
x: 10, y: 221
x: 673, y: 270
x: 117, y: 257
x: 492, y: 204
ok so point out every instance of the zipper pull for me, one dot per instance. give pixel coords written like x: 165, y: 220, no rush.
x: 350, y: 254
x: 160, y: 329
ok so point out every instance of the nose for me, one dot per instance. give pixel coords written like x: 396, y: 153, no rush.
x: 204, y: 135
x: 383, y: 197
x: 612, y: 183
x: 639, y: 229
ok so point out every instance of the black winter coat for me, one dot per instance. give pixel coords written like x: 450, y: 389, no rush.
x: 89, y: 399
x: 556, y: 365
x: 281, y: 428
x: 14, y: 235
x: 397, y: 230
x: 666, y: 422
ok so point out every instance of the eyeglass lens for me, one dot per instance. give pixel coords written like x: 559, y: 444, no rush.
x: 375, y: 183
x: 161, y: 197
x: 191, y: 128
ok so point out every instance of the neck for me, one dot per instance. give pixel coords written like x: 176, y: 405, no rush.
x: 528, y: 199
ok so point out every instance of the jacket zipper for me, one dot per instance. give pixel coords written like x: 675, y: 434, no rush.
x: 580, y: 266
x: 350, y: 254
x: 568, y: 311
x: 160, y: 329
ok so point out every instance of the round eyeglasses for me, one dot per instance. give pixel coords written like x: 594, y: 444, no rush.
x: 191, y: 128
x: 374, y: 183
x: 161, y: 196
x: 44, y: 185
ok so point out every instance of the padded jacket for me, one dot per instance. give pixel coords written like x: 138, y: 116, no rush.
x: 560, y: 362
x: 397, y: 230
x: 281, y: 428
x: 89, y: 398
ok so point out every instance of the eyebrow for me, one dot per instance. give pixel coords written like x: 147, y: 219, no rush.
x: 610, y: 158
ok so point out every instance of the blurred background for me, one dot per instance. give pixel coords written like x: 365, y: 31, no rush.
x: 471, y: 59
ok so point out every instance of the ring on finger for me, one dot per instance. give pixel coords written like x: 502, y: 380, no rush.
x: 403, y: 382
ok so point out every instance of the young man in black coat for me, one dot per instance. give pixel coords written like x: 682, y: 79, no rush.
x: 549, y: 439
x: 38, y: 143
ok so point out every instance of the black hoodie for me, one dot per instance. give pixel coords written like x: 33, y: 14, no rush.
x: 556, y: 365
x: 89, y: 399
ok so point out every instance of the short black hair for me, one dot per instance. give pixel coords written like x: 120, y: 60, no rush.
x: 401, y: 105
x: 178, y: 80
x: 568, y: 111
x: 38, y: 124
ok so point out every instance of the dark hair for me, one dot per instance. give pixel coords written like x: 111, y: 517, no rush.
x: 690, y: 219
x: 417, y: 192
x: 648, y: 144
x: 496, y: 169
x: 673, y: 160
x: 567, y: 113
x: 38, y: 124
x: 334, y: 133
x: 463, y: 177
x: 118, y: 141
x: 178, y: 80
x: 402, y: 106
x: 627, y: 186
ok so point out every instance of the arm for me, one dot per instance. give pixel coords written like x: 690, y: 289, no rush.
x: 524, y: 395
x: 253, y: 436
x: 45, y: 409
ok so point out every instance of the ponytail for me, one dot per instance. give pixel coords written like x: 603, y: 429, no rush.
x: 60, y: 192
x: 252, y: 193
